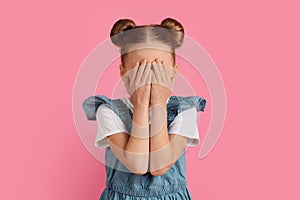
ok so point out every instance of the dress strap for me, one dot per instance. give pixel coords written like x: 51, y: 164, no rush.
x: 175, y: 105
x: 92, y: 103
x: 178, y: 104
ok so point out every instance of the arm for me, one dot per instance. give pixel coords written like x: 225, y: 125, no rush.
x: 165, y: 148
x: 132, y: 151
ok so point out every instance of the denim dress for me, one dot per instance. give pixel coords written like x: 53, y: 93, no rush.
x: 121, y: 184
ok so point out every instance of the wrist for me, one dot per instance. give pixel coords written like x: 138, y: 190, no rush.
x: 161, y: 102
x: 141, y: 105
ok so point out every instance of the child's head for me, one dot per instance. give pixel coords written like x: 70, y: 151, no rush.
x: 146, y: 41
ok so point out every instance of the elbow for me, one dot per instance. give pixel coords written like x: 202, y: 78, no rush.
x: 156, y: 173
x: 137, y: 165
x: 159, y: 172
x: 138, y: 170
x: 162, y: 171
x: 139, y: 173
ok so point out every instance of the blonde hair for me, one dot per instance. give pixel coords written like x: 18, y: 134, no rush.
x: 169, y: 32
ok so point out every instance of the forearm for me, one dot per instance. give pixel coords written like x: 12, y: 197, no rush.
x: 161, y: 154
x: 137, y: 147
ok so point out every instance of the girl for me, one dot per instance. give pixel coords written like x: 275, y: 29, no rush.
x: 145, y: 135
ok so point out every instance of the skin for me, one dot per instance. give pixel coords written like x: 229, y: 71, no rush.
x: 162, y: 148
x: 159, y: 93
x: 147, y: 54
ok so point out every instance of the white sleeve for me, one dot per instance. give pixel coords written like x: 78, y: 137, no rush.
x: 108, y: 123
x: 185, y: 124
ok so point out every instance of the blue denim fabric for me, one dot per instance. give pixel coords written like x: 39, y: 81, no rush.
x: 120, y: 182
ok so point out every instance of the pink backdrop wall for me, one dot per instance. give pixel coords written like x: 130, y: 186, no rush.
x: 254, y: 44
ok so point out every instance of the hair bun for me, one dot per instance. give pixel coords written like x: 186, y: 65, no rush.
x: 178, y: 30
x: 120, y: 26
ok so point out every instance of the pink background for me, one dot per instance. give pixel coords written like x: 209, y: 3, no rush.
x: 255, y: 45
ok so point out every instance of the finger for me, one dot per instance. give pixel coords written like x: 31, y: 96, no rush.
x: 169, y: 71
x: 131, y: 73
x: 153, y: 78
x: 156, y: 72
x: 169, y: 81
x: 126, y: 83
x: 131, y: 84
x: 149, y: 77
x: 145, y: 74
x: 140, y: 71
x: 165, y: 71
x: 161, y: 69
